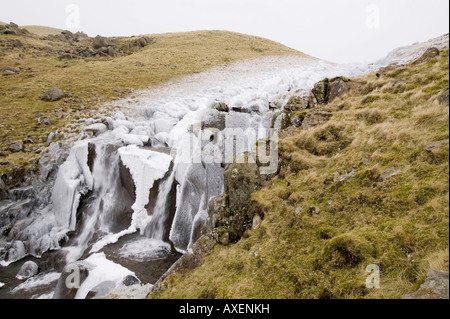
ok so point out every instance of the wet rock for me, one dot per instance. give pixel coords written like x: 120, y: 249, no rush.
x: 436, y: 286
x: 72, y: 277
x: 28, y: 270
x: 21, y: 193
x: 16, y: 147
x: 54, y: 94
x: 16, y: 230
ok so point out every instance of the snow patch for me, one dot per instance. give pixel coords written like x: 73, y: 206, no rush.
x: 36, y: 281
x: 104, y: 270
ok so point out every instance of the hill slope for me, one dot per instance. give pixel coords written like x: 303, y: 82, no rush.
x: 42, y: 63
x: 42, y: 30
x: 367, y: 187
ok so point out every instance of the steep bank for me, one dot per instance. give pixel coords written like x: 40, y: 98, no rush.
x: 363, y: 181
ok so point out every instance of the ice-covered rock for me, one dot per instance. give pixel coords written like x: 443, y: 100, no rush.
x: 146, y: 167
x: 74, y: 179
x: 16, y: 252
x: 102, y: 270
x: 28, y: 269
x: 96, y: 129
x: 131, y: 139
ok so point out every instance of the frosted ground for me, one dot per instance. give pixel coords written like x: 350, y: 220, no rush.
x: 163, y: 115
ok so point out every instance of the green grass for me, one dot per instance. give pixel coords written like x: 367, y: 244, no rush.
x: 400, y: 224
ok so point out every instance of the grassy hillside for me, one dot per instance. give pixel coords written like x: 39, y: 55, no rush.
x: 370, y: 186
x: 95, y: 81
x: 41, y: 30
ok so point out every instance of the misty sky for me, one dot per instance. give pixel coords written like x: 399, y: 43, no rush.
x: 335, y: 30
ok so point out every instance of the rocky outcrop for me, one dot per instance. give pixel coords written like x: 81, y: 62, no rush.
x: 297, y: 103
x: 302, y: 111
x: 13, y: 29
x: 231, y: 214
x: 429, y: 54
x: 101, y: 42
x: 327, y: 91
x: 436, y: 286
x: 67, y: 36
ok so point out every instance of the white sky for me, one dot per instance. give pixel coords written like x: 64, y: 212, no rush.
x: 335, y: 30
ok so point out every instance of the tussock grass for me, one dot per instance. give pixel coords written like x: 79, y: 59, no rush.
x: 95, y: 82
x: 398, y: 221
